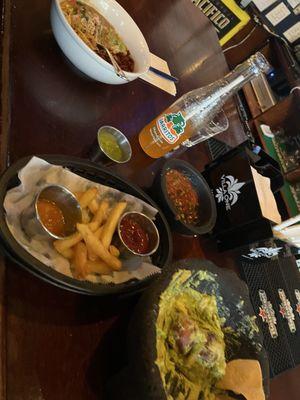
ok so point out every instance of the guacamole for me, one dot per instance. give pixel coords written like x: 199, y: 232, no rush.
x: 189, y: 340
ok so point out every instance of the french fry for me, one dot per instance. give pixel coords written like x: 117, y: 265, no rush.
x: 63, y: 244
x: 85, y: 216
x: 68, y: 253
x: 87, y: 197
x: 111, y: 223
x: 80, y: 259
x: 114, y: 251
x: 91, y: 255
x: 97, y: 247
x: 97, y: 267
x: 93, y: 206
x: 78, y: 195
x: 98, y: 232
x: 94, y: 225
x: 101, y: 212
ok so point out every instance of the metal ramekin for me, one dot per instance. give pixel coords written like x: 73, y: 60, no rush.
x: 97, y: 153
x: 149, y: 226
x: 64, y: 199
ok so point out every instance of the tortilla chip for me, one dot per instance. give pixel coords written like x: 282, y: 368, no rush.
x: 243, y: 377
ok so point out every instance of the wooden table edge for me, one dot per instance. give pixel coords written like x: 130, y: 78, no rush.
x: 4, y: 129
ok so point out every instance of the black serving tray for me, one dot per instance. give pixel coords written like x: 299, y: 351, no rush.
x: 99, y: 174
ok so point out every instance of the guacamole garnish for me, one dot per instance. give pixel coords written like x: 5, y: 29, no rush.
x: 189, y: 339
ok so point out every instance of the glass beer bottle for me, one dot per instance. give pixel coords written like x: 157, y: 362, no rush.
x: 194, y: 110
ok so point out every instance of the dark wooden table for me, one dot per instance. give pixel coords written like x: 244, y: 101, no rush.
x: 55, y: 344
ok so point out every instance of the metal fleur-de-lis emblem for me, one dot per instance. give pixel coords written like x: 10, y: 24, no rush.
x: 229, y: 191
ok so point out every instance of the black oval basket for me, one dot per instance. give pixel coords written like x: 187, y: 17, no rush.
x: 96, y: 173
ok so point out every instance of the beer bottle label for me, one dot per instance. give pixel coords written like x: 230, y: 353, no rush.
x: 171, y: 126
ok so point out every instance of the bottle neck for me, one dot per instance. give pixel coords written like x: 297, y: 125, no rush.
x: 239, y: 77
x: 212, y: 97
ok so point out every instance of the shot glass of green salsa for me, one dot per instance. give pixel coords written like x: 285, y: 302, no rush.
x: 114, y: 144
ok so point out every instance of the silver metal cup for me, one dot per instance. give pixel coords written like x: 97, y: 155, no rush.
x: 97, y: 153
x: 150, y: 228
x: 65, y: 200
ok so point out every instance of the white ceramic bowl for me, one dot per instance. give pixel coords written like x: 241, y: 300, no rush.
x: 85, y: 59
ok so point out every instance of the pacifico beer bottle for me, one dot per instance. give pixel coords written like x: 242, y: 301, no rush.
x: 196, y: 109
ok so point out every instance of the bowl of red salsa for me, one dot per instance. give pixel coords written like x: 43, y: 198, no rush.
x: 138, y: 234
x: 186, y: 198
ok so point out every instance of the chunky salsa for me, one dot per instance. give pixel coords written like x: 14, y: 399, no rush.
x: 134, y: 236
x: 183, y: 196
x: 51, y: 216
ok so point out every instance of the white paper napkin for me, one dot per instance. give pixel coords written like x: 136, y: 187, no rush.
x: 156, y: 80
x: 266, y: 197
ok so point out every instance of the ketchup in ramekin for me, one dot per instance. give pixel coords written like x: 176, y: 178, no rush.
x: 134, y: 236
x: 138, y: 233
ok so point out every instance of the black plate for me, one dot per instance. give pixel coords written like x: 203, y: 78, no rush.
x: 207, y: 214
x: 141, y: 379
x: 97, y: 174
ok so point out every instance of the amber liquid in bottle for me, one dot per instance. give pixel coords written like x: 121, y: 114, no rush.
x: 194, y: 110
x: 164, y: 133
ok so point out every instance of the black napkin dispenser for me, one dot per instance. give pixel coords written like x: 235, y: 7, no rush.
x: 239, y: 217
